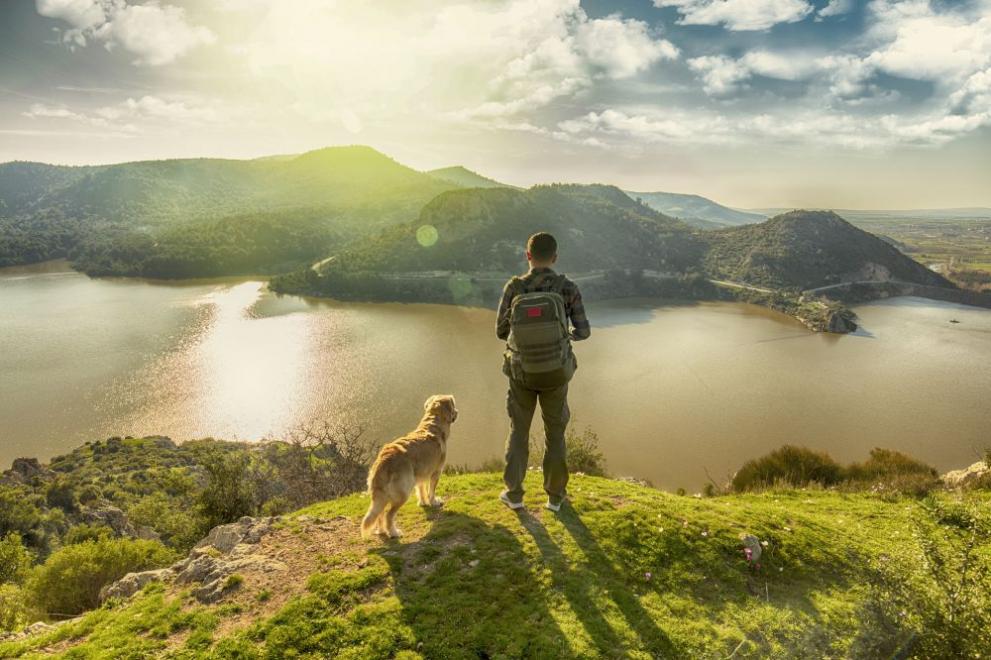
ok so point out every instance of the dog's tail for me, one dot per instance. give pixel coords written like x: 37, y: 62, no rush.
x: 371, y: 518
x: 378, y: 477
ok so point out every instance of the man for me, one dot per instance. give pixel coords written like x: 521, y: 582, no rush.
x: 540, y: 313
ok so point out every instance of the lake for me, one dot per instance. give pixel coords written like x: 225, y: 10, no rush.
x: 673, y: 390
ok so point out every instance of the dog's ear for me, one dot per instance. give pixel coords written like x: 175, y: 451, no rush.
x: 451, y: 407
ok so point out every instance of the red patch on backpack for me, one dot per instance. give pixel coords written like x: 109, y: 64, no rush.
x: 534, y: 311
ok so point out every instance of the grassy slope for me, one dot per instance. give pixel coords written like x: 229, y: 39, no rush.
x: 477, y: 580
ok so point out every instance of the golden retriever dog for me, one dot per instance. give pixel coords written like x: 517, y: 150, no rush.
x: 416, y: 459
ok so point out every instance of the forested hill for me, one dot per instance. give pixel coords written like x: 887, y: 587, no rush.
x: 808, y: 249
x: 480, y: 233
x: 107, y: 218
x: 465, y: 178
x: 696, y: 210
x: 482, y: 230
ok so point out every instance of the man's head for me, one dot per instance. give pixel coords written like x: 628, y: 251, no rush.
x: 541, y: 250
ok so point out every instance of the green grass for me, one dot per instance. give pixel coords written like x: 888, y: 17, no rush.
x: 625, y: 572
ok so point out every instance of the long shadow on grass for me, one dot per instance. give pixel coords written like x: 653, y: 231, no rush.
x: 582, y: 594
x: 468, y: 590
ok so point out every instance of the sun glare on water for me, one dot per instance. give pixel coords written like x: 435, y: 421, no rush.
x: 251, y: 369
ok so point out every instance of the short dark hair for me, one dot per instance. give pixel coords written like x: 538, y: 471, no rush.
x: 541, y: 246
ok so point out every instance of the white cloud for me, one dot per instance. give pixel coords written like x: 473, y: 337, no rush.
x: 739, y: 14
x: 158, y: 108
x: 156, y: 34
x: 620, y: 48
x: 129, y: 114
x: 619, y: 127
x: 916, y: 41
x: 41, y: 110
x: 836, y: 8
x: 720, y: 75
x: 492, y: 61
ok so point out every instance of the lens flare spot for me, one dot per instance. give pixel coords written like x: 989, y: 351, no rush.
x: 460, y: 287
x: 426, y: 235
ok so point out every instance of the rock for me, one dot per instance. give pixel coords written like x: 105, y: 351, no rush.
x: 147, y: 533
x: 28, y: 468
x: 112, y: 517
x: 24, y: 471
x: 214, y: 591
x: 226, y: 537
x: 132, y: 583
x: 839, y: 323
x: 226, y: 550
x: 967, y: 476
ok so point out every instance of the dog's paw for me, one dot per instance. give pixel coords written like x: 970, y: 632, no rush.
x: 437, y: 502
x: 395, y: 534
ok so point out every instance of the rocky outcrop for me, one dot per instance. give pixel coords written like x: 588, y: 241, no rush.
x: 132, y: 583
x: 211, y: 564
x: 839, y: 322
x: 979, y: 471
x: 112, y: 517
x: 34, y: 629
x: 25, y: 471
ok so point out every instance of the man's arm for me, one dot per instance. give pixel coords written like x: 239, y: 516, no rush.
x: 580, y: 328
x: 505, y: 308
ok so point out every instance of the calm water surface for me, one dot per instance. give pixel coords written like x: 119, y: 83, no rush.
x: 672, y: 390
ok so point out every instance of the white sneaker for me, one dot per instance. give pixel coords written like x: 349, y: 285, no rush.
x: 554, y: 507
x: 515, y: 506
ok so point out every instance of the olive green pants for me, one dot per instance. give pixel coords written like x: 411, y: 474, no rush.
x: 521, y: 403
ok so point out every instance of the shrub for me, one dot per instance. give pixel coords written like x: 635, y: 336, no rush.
x: 583, y: 453
x: 15, y: 610
x: 893, y: 472
x: 18, y: 513
x: 69, y: 582
x: 228, y: 494
x: 790, y: 465
x: 61, y: 495
x: 15, y: 559
x: 178, y: 527
x: 87, y: 532
x: 887, y: 463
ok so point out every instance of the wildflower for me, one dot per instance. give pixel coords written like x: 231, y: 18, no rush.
x: 647, y: 575
x: 705, y: 533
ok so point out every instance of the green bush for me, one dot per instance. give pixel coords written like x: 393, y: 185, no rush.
x: 178, y: 527
x: 61, y: 495
x: 228, y: 494
x: 583, y: 453
x: 15, y: 608
x: 69, y: 582
x: 888, y: 463
x: 87, y: 532
x: 15, y: 559
x: 788, y: 465
x: 892, y: 472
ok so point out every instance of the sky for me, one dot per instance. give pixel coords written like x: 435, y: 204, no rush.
x: 754, y: 103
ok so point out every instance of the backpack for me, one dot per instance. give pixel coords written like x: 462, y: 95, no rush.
x: 539, y: 343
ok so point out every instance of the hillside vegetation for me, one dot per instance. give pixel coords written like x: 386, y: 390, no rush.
x: 465, y: 178
x: 185, y: 213
x: 808, y: 249
x: 465, y: 243
x: 625, y: 571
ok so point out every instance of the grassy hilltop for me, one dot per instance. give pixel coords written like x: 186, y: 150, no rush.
x: 626, y: 571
